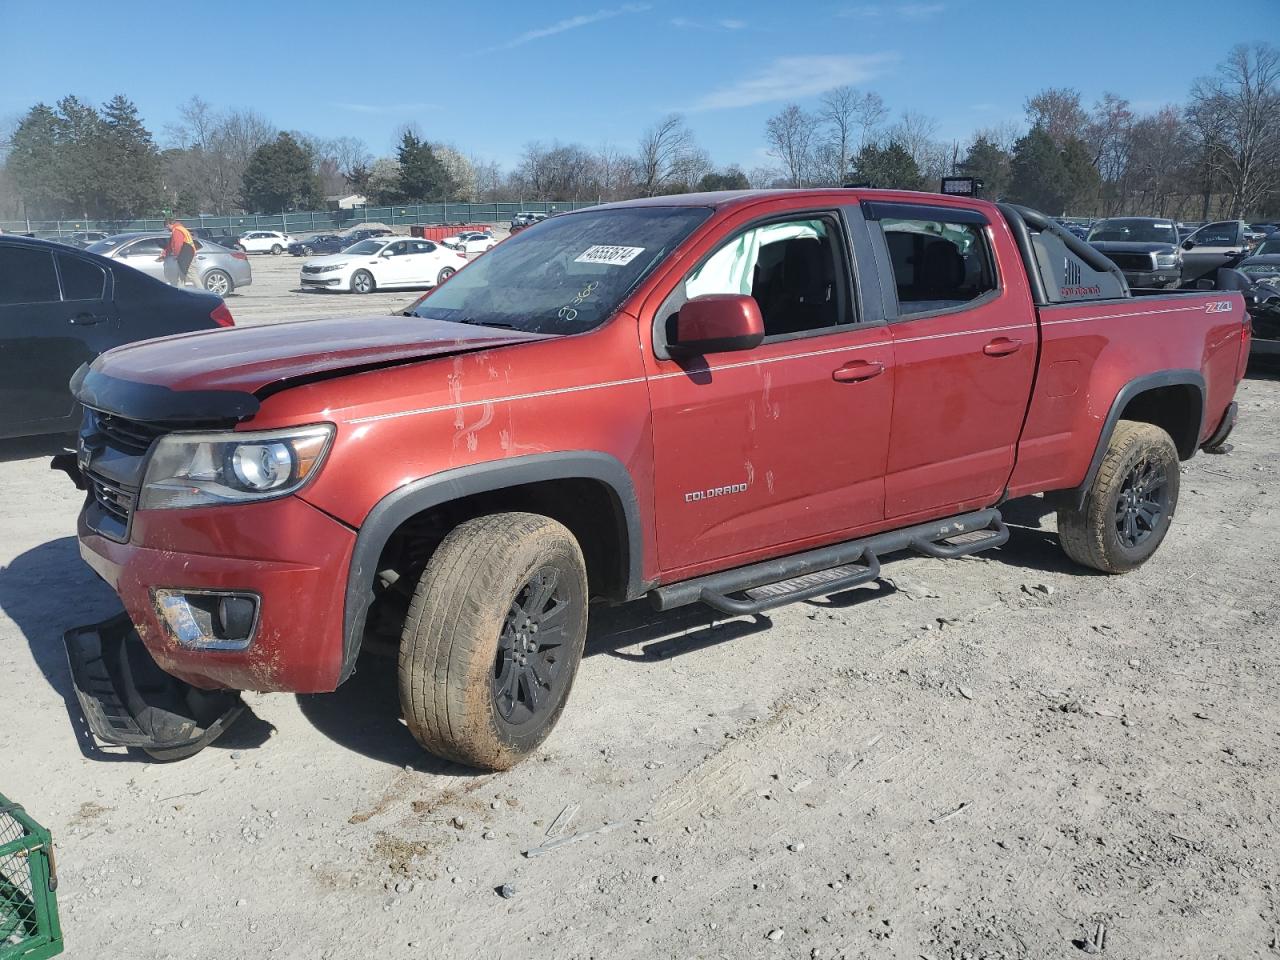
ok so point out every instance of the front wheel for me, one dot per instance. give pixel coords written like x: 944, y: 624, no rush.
x: 362, y: 282
x: 444, y: 275
x: 307, y: 251
x: 219, y: 282
x: 1127, y: 511
x: 493, y: 639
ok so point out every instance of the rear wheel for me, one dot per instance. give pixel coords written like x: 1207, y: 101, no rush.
x: 444, y: 275
x: 1127, y: 511
x: 362, y: 282
x: 219, y: 282
x: 493, y: 639
x: 276, y: 249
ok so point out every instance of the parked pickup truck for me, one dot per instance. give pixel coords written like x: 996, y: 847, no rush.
x: 735, y: 399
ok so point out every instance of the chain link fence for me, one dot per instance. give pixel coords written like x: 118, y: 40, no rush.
x: 311, y: 221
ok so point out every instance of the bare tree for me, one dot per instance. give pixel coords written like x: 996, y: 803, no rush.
x: 790, y: 134
x: 915, y: 133
x: 662, y: 153
x: 1108, y: 134
x: 838, y: 111
x: 211, y: 150
x: 1236, y: 116
x: 1058, y: 111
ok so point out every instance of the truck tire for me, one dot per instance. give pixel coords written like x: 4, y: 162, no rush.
x: 493, y: 639
x: 1127, y: 511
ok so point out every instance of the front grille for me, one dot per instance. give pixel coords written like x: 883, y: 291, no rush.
x: 312, y: 270
x: 114, y: 500
x: 1133, y: 261
x: 130, y: 436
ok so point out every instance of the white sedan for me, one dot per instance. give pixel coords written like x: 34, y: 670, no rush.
x: 471, y: 242
x: 265, y: 241
x: 383, y: 263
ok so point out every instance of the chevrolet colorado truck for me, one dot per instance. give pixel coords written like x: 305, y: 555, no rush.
x: 739, y: 399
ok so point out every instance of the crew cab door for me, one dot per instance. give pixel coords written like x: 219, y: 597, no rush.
x: 768, y: 450
x: 965, y: 348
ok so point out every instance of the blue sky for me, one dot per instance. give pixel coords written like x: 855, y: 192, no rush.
x: 489, y: 75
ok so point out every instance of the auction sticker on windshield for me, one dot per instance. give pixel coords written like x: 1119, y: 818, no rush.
x: 612, y: 255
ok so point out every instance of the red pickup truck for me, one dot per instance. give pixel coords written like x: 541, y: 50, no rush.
x: 738, y: 399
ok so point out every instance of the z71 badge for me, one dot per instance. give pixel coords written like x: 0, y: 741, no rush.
x: 1218, y: 306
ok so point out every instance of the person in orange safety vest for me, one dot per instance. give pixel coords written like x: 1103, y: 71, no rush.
x: 181, y: 246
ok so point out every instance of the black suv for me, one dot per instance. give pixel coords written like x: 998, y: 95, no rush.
x: 1145, y: 248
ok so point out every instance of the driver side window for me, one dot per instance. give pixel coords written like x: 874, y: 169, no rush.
x: 791, y: 268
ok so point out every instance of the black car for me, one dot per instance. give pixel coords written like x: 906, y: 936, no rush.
x: 364, y: 233
x: 1146, y: 249
x: 223, y: 238
x: 320, y: 243
x: 60, y: 308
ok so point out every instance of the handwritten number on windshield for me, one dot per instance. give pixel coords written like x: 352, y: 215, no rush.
x: 569, y: 311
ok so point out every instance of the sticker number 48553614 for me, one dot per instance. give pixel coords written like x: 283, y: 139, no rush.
x: 1218, y: 306
x: 608, y: 253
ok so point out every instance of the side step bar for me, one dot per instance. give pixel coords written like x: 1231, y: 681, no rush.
x: 827, y: 570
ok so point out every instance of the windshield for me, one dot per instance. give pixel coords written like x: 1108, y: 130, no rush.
x: 365, y: 246
x: 567, y: 275
x: 1135, y: 231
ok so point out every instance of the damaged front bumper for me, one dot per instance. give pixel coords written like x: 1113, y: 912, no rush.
x: 128, y: 701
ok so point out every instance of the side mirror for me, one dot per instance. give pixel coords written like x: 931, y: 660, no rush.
x: 1188, y: 244
x: 717, y: 323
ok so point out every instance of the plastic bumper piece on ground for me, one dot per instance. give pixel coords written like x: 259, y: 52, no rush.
x: 129, y: 701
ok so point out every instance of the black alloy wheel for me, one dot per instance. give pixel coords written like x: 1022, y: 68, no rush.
x: 528, y: 671
x: 1142, y: 504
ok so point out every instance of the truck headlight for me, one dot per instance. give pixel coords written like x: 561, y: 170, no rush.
x: 1166, y: 261
x: 199, y: 469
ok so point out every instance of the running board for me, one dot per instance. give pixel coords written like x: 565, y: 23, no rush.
x: 827, y: 570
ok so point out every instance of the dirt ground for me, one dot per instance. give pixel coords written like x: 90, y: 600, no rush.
x: 996, y: 757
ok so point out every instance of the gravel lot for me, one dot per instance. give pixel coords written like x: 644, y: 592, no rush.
x: 996, y: 758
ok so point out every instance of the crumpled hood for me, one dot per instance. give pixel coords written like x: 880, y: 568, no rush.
x: 222, y: 373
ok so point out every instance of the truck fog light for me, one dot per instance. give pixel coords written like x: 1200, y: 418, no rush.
x: 208, y: 619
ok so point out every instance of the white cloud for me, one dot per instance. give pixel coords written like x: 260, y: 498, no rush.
x: 684, y: 23
x: 378, y: 108
x: 792, y: 78
x: 920, y: 11
x: 905, y: 11
x: 571, y: 23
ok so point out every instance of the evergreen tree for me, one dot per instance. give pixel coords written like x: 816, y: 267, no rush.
x: 130, y: 183
x: 731, y: 179
x: 78, y: 166
x: 32, y: 150
x: 280, y: 176
x: 990, y: 164
x: 1038, y: 175
x: 889, y: 167
x: 423, y: 178
x: 1081, y: 181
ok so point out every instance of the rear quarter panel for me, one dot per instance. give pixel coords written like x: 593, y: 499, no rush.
x: 1089, y: 352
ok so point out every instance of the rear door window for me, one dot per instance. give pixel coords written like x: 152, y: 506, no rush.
x: 27, y: 276
x: 81, y: 280
x: 938, y: 265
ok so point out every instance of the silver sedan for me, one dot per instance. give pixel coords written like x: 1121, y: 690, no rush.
x: 215, y: 268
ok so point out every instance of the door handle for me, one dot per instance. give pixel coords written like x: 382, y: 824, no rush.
x: 857, y: 370
x: 1002, y: 347
x: 86, y: 319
